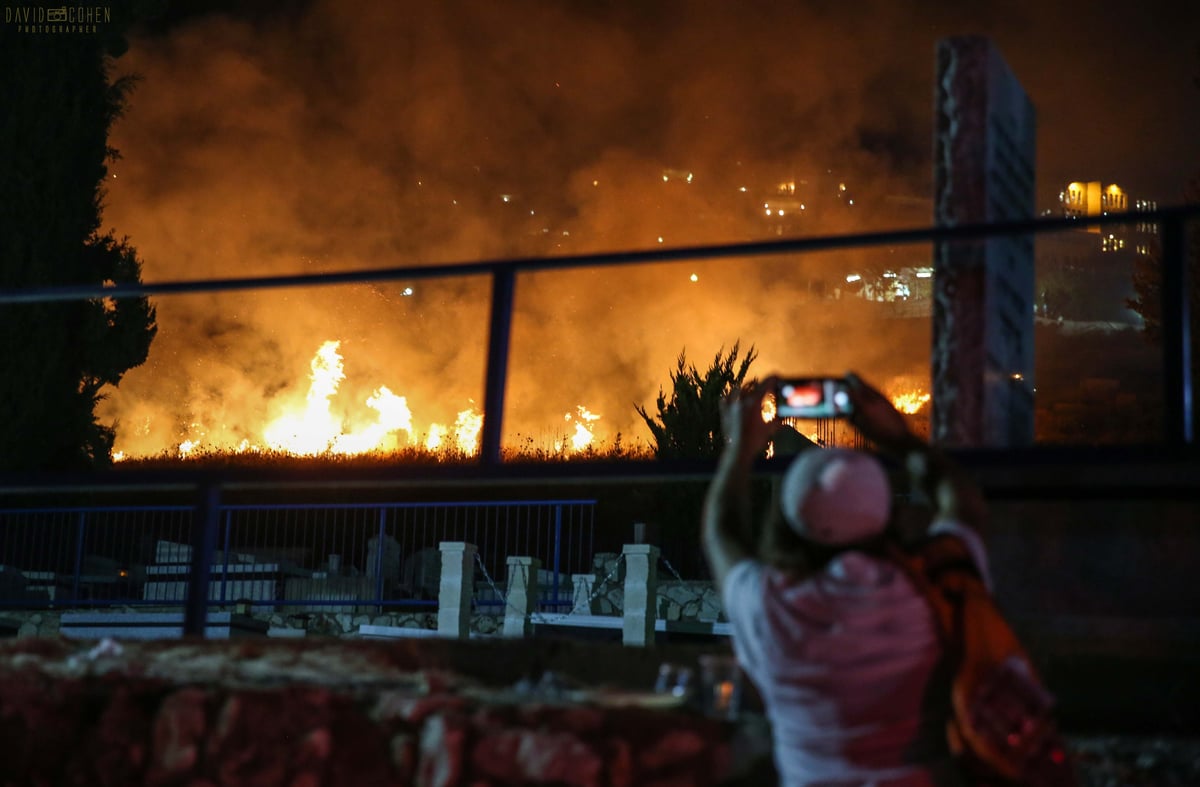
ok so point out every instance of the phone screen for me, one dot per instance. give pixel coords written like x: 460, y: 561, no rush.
x: 815, y: 397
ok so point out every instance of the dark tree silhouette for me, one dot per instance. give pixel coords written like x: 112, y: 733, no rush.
x: 58, y: 104
x: 688, y: 422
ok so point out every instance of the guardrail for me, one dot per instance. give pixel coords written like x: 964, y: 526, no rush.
x: 300, y: 556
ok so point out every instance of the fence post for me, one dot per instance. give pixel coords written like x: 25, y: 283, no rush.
x: 225, y: 557
x: 521, y: 596
x: 499, y: 330
x: 379, y: 562
x: 455, y: 589
x: 641, y: 591
x: 79, y: 529
x: 557, y: 549
x: 205, y: 519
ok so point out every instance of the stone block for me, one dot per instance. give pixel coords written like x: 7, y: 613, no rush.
x: 584, y: 586
x: 356, y: 591
x: 421, y: 574
x: 522, y: 594
x: 383, y: 560
x: 641, y: 591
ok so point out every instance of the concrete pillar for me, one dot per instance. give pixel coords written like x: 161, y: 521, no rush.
x: 455, y: 589
x: 522, y: 595
x: 984, y: 156
x: 641, y: 591
x: 581, y: 599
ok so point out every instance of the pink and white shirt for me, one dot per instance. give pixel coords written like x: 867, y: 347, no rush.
x: 846, y: 662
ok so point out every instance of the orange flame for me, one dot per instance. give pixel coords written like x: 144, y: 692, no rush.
x: 437, y: 433
x: 584, y: 430
x: 466, y: 430
x: 910, y: 402
x: 312, y: 428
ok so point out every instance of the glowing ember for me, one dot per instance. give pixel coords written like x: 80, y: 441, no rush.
x: 910, y: 402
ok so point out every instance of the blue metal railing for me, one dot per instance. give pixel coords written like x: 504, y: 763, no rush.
x: 293, y: 556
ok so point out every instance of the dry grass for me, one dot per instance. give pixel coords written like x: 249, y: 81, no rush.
x: 526, y: 449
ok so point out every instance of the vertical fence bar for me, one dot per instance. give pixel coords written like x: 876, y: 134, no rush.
x: 80, y: 526
x: 1176, y: 332
x: 500, y: 329
x: 557, y: 546
x: 379, y: 561
x: 225, y: 550
x: 205, y: 520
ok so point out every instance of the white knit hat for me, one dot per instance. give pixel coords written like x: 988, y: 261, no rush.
x: 836, y: 496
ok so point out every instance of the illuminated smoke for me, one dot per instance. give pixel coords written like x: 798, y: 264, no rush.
x: 390, y: 134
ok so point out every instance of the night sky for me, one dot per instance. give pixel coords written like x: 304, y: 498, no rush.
x: 1113, y: 82
x: 284, y: 137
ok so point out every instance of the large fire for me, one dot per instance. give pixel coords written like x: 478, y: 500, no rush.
x: 313, y: 429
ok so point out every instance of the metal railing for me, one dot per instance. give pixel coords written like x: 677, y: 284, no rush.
x: 298, y: 557
x: 1177, y: 350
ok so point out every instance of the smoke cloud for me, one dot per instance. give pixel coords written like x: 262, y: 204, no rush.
x: 379, y: 135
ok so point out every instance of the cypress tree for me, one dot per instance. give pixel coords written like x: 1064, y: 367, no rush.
x: 57, y: 105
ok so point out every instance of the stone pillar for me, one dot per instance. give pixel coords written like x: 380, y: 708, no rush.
x: 984, y: 156
x: 522, y: 595
x: 641, y: 591
x: 585, y: 585
x: 454, y: 592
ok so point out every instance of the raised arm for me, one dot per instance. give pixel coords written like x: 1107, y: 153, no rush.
x: 952, y: 493
x: 727, y: 532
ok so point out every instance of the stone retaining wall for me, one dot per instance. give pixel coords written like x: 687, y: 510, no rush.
x: 326, y: 712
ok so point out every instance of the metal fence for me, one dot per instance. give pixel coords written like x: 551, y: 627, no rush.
x: 314, y: 557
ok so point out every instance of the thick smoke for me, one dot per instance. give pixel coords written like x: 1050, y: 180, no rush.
x: 383, y: 135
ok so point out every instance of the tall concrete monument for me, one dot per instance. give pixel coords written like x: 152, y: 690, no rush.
x: 984, y: 154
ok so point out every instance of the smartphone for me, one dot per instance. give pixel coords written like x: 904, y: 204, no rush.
x: 813, y: 397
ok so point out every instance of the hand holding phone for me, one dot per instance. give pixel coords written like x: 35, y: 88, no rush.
x: 813, y: 397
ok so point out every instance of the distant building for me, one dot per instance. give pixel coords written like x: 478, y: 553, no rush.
x: 1083, y: 200
x: 1087, y: 274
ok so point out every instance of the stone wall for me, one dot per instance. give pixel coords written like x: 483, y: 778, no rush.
x: 332, y: 713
